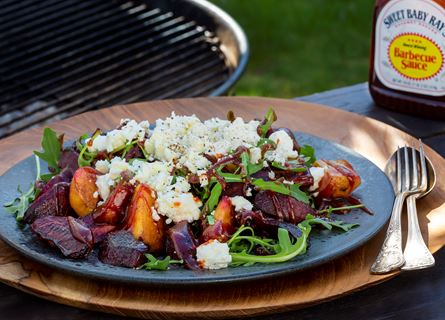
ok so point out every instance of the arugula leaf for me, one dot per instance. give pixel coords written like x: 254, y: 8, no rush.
x: 292, y: 190
x: 229, y: 177
x: 308, y: 152
x: 328, y: 224
x: 158, y: 264
x: 20, y: 204
x: 213, y: 198
x: 52, y: 148
x: 248, y: 167
x: 291, y: 167
x: 270, y: 118
x: 331, y: 209
x: 284, y: 250
x: 264, y: 141
x: 85, y: 157
x: 210, y: 219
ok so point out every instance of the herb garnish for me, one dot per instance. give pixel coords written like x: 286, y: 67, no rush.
x: 52, y: 148
x: 19, y: 205
x: 292, y: 190
x: 158, y: 264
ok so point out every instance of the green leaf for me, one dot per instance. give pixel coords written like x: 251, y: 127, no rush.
x: 52, y: 149
x: 270, y: 118
x: 249, y: 168
x: 284, y: 250
x: 328, y: 224
x: 298, y: 194
x: 210, y: 219
x: 85, y: 157
x: 158, y: 264
x: 212, y: 202
x: 331, y: 209
x: 294, y: 167
x: 308, y: 152
x: 292, y: 190
x: 264, y: 141
x: 229, y: 177
x: 20, y: 204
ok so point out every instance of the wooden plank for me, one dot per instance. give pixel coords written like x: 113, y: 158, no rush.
x: 329, y: 281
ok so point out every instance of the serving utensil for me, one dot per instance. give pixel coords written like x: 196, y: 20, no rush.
x: 417, y: 255
x: 412, y: 182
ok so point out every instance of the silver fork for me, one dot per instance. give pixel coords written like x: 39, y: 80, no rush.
x: 390, y: 256
x: 417, y: 255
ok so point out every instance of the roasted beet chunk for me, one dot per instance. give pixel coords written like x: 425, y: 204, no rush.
x: 182, y: 244
x: 64, y: 176
x: 282, y: 207
x: 113, y: 210
x: 266, y: 226
x: 54, y: 202
x: 121, y: 249
x: 71, y: 236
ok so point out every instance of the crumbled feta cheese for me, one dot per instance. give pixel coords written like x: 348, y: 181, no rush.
x: 179, y: 206
x: 284, y: 149
x: 248, y: 192
x: 96, y: 194
x: 116, y: 167
x: 184, y: 139
x: 317, y: 173
x: 271, y: 175
x: 241, y: 203
x: 103, y: 166
x: 265, y: 164
x: 255, y: 155
x: 213, y: 255
x: 203, y: 179
x: 103, y: 183
x: 117, y: 138
x: 156, y: 174
x: 154, y: 214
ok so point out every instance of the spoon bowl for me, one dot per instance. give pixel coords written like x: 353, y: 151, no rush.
x: 390, y: 170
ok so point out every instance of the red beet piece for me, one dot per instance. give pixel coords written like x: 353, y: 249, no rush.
x: 282, y: 207
x: 54, y: 202
x: 181, y: 244
x: 113, y: 210
x: 120, y: 248
x: 71, y: 236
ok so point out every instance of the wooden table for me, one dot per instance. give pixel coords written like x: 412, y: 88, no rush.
x: 413, y: 295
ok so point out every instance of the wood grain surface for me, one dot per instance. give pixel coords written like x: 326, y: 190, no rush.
x: 373, y: 139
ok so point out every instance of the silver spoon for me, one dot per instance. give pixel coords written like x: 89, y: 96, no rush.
x: 416, y: 253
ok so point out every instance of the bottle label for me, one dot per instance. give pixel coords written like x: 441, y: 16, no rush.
x: 410, y: 46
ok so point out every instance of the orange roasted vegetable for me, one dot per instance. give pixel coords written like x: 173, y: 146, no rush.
x: 143, y: 222
x: 339, y: 180
x: 223, y: 226
x: 83, y: 191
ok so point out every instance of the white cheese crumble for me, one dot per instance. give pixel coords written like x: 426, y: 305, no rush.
x: 154, y: 214
x: 117, y: 138
x: 317, y: 173
x: 179, y: 206
x: 103, y: 166
x: 241, y: 203
x: 213, y: 255
x: 255, y: 155
x: 284, y: 149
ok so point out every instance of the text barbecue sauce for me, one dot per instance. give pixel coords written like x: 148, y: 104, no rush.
x: 407, y: 71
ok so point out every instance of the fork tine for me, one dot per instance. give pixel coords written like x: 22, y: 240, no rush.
x: 424, y: 174
x: 399, y: 169
x: 407, y: 171
x: 415, y: 171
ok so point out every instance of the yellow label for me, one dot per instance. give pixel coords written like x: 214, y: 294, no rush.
x: 415, y: 56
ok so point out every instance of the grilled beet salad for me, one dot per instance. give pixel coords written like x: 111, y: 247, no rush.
x: 202, y: 194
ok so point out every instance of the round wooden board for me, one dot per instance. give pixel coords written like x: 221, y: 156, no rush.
x: 372, y: 139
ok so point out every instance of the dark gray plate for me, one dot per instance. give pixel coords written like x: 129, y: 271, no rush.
x: 376, y: 192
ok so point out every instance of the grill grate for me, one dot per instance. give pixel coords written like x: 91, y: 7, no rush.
x: 62, y: 57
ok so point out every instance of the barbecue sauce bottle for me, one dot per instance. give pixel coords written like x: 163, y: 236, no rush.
x: 407, y: 71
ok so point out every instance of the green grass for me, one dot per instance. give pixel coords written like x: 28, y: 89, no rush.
x: 298, y: 47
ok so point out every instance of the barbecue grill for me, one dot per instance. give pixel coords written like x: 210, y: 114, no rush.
x: 62, y: 57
